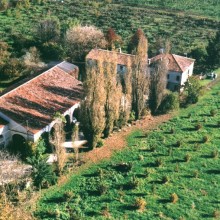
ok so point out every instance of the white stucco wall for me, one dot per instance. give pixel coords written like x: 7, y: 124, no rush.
x: 186, y: 74
x: 14, y: 128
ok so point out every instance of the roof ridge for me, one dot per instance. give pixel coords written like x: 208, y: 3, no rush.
x: 30, y: 80
x: 173, y: 55
x: 110, y: 51
x: 184, y: 57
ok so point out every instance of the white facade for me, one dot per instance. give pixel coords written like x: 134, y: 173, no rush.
x: 7, y: 131
x: 177, y: 79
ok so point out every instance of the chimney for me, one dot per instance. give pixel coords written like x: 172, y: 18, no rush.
x: 119, y: 49
x: 149, y: 61
x: 161, y: 50
x: 185, y: 54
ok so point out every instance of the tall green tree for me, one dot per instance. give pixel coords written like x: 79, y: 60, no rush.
x: 134, y: 41
x: 158, y: 82
x: 92, y: 114
x: 113, y: 93
x: 48, y: 30
x: 213, y: 50
x: 140, y: 77
x: 112, y: 39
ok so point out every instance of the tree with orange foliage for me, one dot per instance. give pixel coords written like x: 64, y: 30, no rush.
x: 112, y: 39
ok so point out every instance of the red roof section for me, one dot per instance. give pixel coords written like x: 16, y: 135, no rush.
x: 175, y: 62
x: 121, y: 58
x: 37, y: 100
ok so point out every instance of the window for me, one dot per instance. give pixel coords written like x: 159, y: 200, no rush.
x: 168, y: 76
x: 177, y: 78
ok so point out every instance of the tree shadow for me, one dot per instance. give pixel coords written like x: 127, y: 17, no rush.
x: 141, y: 136
x: 188, y: 129
x: 92, y: 213
x: 128, y: 207
x: 164, y: 201
x: 216, y: 172
x: 90, y: 174
x: 207, y: 216
x: 177, y: 161
x: 58, y: 199
x: 212, y: 126
x: 156, y: 182
x: 150, y: 164
x: 141, y: 175
x: 206, y: 156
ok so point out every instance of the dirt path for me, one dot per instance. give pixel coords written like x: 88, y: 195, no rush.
x: 117, y: 141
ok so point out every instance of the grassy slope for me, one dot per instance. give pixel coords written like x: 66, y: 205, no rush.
x: 203, y: 191
x: 207, y: 8
x: 185, y: 31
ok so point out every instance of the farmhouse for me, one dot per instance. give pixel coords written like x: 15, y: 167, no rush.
x: 179, y: 69
x: 121, y: 59
x: 27, y: 111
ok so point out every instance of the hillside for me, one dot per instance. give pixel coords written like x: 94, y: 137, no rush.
x: 204, y: 8
x: 186, y: 30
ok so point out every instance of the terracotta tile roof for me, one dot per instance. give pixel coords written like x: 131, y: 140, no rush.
x: 2, y: 122
x: 37, y: 100
x: 175, y: 62
x: 122, y: 58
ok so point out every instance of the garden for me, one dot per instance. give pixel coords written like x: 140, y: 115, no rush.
x: 171, y: 172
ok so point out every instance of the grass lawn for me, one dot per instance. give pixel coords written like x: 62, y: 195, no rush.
x: 180, y: 156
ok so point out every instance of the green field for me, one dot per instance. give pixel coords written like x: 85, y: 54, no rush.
x: 180, y: 156
x: 208, y: 8
x: 186, y: 31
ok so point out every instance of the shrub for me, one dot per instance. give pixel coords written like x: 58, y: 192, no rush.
x: 172, y: 131
x: 152, y: 148
x: 189, y: 115
x: 215, y: 154
x: 43, y: 174
x: 213, y: 112
x: 178, y: 143
x: 123, y: 167
x: 165, y: 179
x: 105, y: 212
x: 174, y: 198
x: 216, y: 214
x: 121, y: 120
x: 196, y: 173
x: 187, y: 158
x: 100, y: 173
x: 196, y: 147
x: 176, y: 168
x: 102, y: 188
x: 170, y: 102
x: 141, y: 157
x: 192, y: 90
x: 198, y: 126
x: 133, y: 183
x: 205, y: 139
x: 100, y: 143
x: 140, y: 204
x: 159, y: 162
x: 68, y: 195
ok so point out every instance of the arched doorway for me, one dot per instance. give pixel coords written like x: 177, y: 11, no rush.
x: 19, y: 143
x: 68, y: 127
x: 76, y: 115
